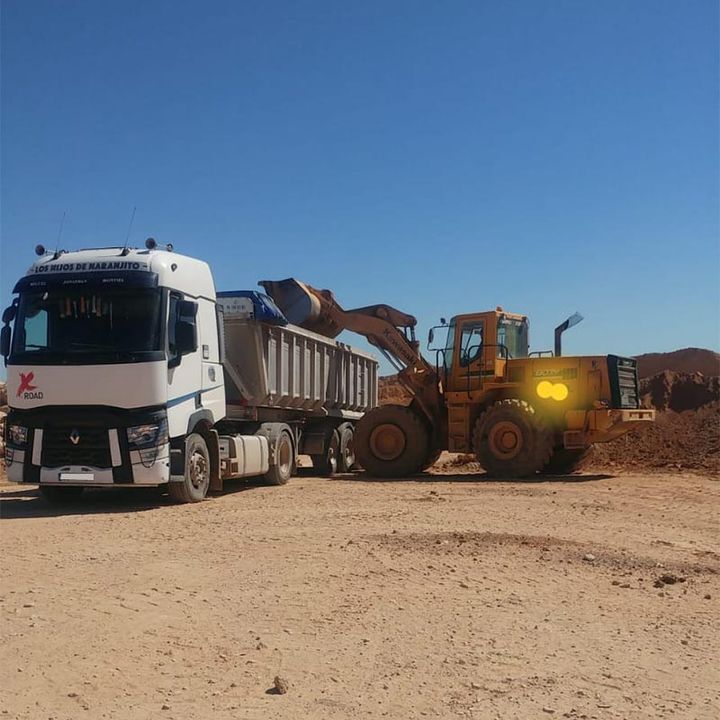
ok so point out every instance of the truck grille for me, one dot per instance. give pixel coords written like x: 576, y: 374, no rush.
x: 92, y: 447
x: 623, y: 382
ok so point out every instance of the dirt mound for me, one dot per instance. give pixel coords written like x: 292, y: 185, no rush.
x: 690, y: 439
x: 687, y: 360
x: 391, y: 392
x: 679, y: 391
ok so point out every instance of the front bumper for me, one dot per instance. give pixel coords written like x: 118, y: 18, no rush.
x: 596, y: 426
x: 85, y: 446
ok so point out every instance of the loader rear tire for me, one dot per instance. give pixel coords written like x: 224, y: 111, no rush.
x: 565, y: 462
x: 511, y: 441
x: 391, y: 441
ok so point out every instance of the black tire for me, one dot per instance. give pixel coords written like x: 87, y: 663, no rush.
x: 60, y: 495
x: 565, y: 462
x: 510, y: 440
x: 432, y: 458
x: 196, y: 480
x: 391, y: 441
x: 284, y: 454
x: 347, y: 448
x: 328, y: 463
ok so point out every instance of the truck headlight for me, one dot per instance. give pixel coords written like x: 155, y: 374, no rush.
x: 148, y: 436
x: 17, y: 435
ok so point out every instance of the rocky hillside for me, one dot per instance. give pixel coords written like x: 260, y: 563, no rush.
x: 687, y: 360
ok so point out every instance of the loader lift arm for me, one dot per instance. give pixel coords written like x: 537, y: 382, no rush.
x: 385, y: 327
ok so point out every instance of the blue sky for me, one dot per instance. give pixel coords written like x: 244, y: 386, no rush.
x: 443, y: 157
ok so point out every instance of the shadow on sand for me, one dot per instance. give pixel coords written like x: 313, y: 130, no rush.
x: 27, y: 502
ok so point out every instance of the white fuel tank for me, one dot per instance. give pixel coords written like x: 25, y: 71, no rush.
x: 243, y: 456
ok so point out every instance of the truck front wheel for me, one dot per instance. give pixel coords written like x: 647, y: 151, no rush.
x: 196, y: 481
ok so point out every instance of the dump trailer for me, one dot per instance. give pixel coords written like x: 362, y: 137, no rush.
x: 126, y: 369
x: 484, y: 392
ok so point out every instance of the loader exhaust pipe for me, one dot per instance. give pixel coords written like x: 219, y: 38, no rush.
x: 562, y: 327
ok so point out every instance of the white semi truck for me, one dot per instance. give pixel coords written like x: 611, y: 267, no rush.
x: 125, y: 368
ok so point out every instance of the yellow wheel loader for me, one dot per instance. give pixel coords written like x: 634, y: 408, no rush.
x: 520, y: 413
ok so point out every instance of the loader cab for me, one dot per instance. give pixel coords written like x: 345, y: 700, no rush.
x: 479, y: 346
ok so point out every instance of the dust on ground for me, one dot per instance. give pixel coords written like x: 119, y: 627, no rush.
x: 450, y: 596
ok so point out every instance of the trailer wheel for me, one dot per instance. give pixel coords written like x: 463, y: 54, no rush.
x: 347, y: 448
x: 391, y: 441
x: 566, y: 462
x: 196, y: 480
x: 281, y: 470
x: 511, y: 441
x: 59, y: 495
x: 328, y: 463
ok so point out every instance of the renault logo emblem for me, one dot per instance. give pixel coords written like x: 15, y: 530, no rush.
x: 74, y: 437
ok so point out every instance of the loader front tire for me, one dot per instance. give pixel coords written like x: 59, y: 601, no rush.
x: 511, y: 441
x: 391, y: 441
x: 565, y: 462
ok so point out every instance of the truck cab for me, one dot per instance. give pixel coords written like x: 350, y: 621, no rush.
x: 114, y: 359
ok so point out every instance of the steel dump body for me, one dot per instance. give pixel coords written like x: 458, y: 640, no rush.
x: 287, y: 368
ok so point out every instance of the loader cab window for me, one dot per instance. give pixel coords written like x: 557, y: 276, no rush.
x: 471, y: 341
x: 512, y: 334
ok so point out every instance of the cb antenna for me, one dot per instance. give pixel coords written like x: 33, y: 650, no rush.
x: 127, y: 238
x: 57, y: 244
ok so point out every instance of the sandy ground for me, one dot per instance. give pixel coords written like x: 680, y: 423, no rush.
x: 439, y: 597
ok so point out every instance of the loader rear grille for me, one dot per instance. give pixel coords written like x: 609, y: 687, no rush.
x: 624, y: 388
x: 91, y: 446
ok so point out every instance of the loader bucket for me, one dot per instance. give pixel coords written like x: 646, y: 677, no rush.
x: 301, y: 305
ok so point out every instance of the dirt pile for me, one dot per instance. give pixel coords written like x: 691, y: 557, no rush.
x: 679, y: 391
x: 391, y: 392
x: 688, y: 440
x: 687, y: 360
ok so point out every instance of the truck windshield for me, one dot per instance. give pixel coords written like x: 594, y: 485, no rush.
x: 82, y: 326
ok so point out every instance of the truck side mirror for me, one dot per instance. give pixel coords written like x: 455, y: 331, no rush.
x: 185, y: 337
x: 431, y: 336
x: 5, y: 341
x: 9, y: 313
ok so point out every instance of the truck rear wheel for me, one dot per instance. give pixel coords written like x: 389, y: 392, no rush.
x: 565, y: 462
x: 391, y: 441
x: 347, y: 448
x: 510, y: 441
x: 196, y: 480
x: 58, y: 494
x: 327, y: 464
x: 281, y: 470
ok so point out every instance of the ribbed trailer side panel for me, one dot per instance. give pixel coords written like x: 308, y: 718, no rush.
x: 287, y: 367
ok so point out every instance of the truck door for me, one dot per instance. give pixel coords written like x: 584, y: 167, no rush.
x: 184, y: 363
